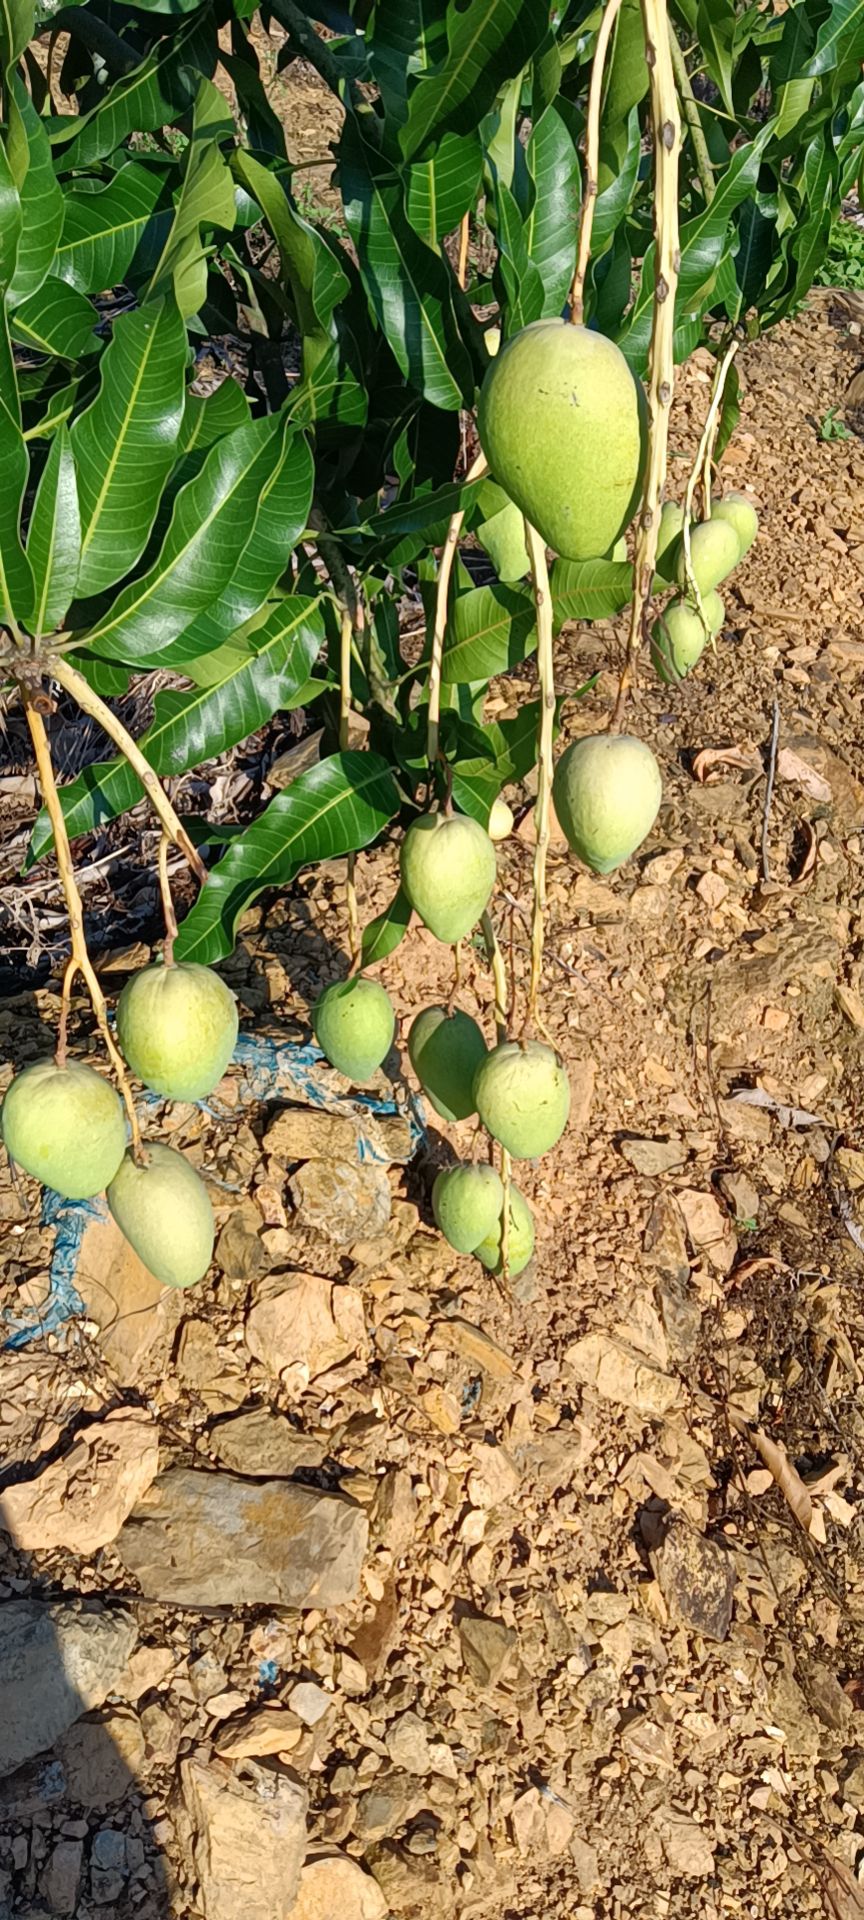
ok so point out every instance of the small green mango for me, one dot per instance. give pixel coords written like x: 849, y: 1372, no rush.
x: 448, y: 872
x: 354, y: 1024
x: 500, y: 820
x: 678, y: 637
x: 466, y: 1202
x: 606, y: 791
x: 503, y: 538
x: 445, y: 1050
x: 164, y: 1211
x: 177, y: 1026
x: 523, y: 1097
x: 669, y: 539
x: 714, y: 551
x: 66, y: 1126
x: 520, y: 1240
x: 741, y: 516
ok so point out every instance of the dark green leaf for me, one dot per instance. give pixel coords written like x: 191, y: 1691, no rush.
x: 490, y: 629
x: 206, y: 199
x: 550, y: 230
x: 54, y: 538
x: 40, y: 194
x: 153, y: 95
x: 614, y: 200
x: 715, y: 31
x: 590, y: 589
x: 17, y: 21
x: 382, y: 935
x: 730, y: 412
x: 16, y: 580
x: 440, y: 190
x: 101, y: 230
x: 340, y: 805
x: 488, y: 42
x: 838, y: 35
x: 125, y: 443
x: 486, y: 758
x: 208, y: 416
x: 10, y: 221
x: 56, y: 320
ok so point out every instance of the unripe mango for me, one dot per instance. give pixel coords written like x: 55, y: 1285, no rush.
x: 466, y: 1202
x: 714, y: 551
x: 562, y: 424
x: 669, y: 539
x: 448, y: 872
x: 503, y: 538
x: 177, y: 1026
x: 354, y: 1024
x: 741, y: 516
x: 606, y: 792
x: 500, y: 820
x: 445, y: 1050
x: 66, y: 1126
x: 523, y: 1097
x: 164, y: 1210
x: 679, y: 638
x: 520, y: 1245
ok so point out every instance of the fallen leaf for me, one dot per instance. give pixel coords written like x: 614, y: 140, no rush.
x: 780, y: 1466
x: 787, y: 1116
x: 710, y: 760
x: 799, y: 773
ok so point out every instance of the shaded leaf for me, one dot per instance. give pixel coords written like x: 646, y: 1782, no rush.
x: 838, y: 35
x: 208, y: 416
x: 590, y: 589
x: 10, y: 221
x: 715, y: 30
x: 205, y: 199
x: 440, y: 190
x: 488, y: 42
x: 101, y: 230
x: 40, y: 194
x: 16, y: 581
x: 491, y: 756
x: 550, y: 229
x: 382, y: 935
x: 153, y: 95
x: 56, y: 320
x: 490, y: 629
x: 54, y: 537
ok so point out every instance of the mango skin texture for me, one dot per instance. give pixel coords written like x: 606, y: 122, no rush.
x: 164, y: 1212
x: 562, y: 424
x: 448, y: 871
x: 66, y: 1126
x: 354, y: 1024
x: 177, y: 1027
x: 445, y: 1050
x: 714, y: 551
x: 678, y: 638
x: 466, y: 1202
x: 523, y: 1097
x: 606, y: 792
x: 741, y: 516
x: 521, y: 1239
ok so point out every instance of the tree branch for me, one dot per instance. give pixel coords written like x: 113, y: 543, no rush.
x: 690, y: 111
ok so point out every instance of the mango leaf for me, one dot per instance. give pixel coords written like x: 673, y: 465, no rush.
x: 340, y: 805
x: 206, y: 536
x: 56, y: 320
x: 124, y: 444
x: 10, y: 221
x: 520, y: 276
x: 101, y: 230
x: 488, y: 42
x: 486, y: 758
x: 206, y: 199
x: 40, y: 194
x: 54, y: 537
x: 154, y: 94
x: 16, y: 580
x: 838, y: 35
x: 613, y: 202
x: 382, y: 935
x: 408, y: 285
x: 730, y: 413
x: 590, y: 589
x: 17, y: 21
x: 207, y: 416
x: 269, y: 676
x: 440, y: 190
x: 490, y: 629
x: 550, y: 230
x: 715, y: 32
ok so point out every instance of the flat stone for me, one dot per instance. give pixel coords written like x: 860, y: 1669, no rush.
x: 309, y: 1702
x: 709, y: 1229
x: 853, y: 1786
x: 653, y: 1156
x: 81, y: 1500
x: 248, y: 1839
x: 664, y: 1244
x: 387, y: 1806
x: 301, y: 1325
x: 102, y: 1759
x: 474, y: 1345
x: 791, y: 1715
x: 263, y: 1444
x: 696, y: 1579
x: 210, y: 1539
x: 60, y: 1878
x: 342, y: 1199
x: 487, y: 1646
x: 408, y: 1744
x: 240, y: 1251
x: 56, y: 1662
x: 137, y: 1317
x: 258, y: 1733
x: 302, y: 1133
x: 333, y: 1885
x: 826, y: 1696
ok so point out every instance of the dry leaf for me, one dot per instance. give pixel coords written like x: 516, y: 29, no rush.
x: 844, y: 1899
x: 787, y: 1116
x: 799, y: 773
x: 779, y: 1464
x: 709, y: 762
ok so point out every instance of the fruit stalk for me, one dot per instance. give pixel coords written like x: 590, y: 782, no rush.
x: 167, y: 903
x: 464, y: 236
x: 702, y: 467
x: 74, y: 682
x: 499, y: 979
x: 592, y: 161
x: 80, y: 961
x: 666, y: 127
x: 690, y: 110
x: 439, y: 631
x: 545, y: 737
x: 346, y: 634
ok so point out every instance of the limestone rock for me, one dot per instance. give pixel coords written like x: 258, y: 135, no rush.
x: 102, y: 1759
x: 342, y: 1199
x: 61, y: 1876
x: 333, y: 1885
x: 487, y: 1646
x: 136, y: 1316
x: 56, y: 1662
x: 81, y: 1500
x: 263, y: 1444
x: 210, y: 1539
x: 301, y: 1325
x: 696, y: 1578
x: 249, y: 1839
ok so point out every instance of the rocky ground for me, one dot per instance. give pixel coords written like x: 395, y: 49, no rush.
x: 354, y: 1583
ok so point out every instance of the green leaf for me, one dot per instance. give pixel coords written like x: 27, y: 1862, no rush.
x: 843, y: 30
x: 440, y: 190
x: 124, y: 444
x: 409, y: 286
x: 614, y: 201
x: 207, y: 416
x: 10, y: 221
x: 715, y: 31
x: 54, y: 538
x: 206, y: 199
x: 730, y: 412
x: 590, y: 589
x: 269, y: 674
x: 340, y: 805
x: 17, y: 21
x: 488, y: 42
x: 520, y: 276
x: 208, y: 531
x: 40, y: 194
x: 56, y: 320
x: 490, y: 629
x: 550, y: 231
x: 101, y: 230
x: 16, y: 580
x: 154, y: 94
x: 382, y: 935
x: 486, y: 758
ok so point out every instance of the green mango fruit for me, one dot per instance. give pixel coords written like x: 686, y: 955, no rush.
x: 523, y: 1097
x: 164, y: 1211
x: 714, y: 551
x: 520, y: 1245
x: 503, y: 538
x: 669, y: 539
x: 562, y: 424
x: 466, y: 1202
x: 448, y: 872
x: 354, y: 1024
x: 606, y: 793
x: 445, y: 1050
x: 678, y: 637
x: 66, y: 1126
x: 177, y: 1026
x: 740, y: 514
x: 500, y: 820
